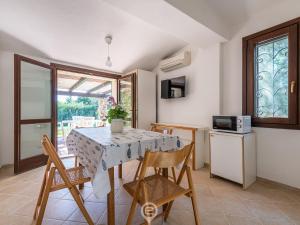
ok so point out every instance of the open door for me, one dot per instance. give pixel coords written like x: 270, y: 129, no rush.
x: 127, y: 98
x: 34, y: 112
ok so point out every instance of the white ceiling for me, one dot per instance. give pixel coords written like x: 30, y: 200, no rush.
x: 144, y: 31
x: 236, y: 12
x: 74, y: 30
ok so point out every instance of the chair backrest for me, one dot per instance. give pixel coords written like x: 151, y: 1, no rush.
x: 83, y: 118
x: 50, y: 150
x: 163, y: 130
x: 166, y: 159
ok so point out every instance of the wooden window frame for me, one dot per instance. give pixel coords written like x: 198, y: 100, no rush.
x: 292, y: 29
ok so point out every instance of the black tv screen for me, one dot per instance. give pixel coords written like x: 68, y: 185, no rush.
x: 173, y: 88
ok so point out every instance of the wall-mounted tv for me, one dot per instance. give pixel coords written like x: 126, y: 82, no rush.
x: 173, y: 88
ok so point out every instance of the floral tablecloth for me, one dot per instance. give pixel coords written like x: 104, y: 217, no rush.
x: 98, y: 149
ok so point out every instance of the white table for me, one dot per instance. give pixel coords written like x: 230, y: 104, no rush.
x: 99, y: 151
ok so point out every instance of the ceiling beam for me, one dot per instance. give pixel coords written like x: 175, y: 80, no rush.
x: 79, y: 94
x: 77, y: 84
x: 106, y: 92
x: 106, y: 83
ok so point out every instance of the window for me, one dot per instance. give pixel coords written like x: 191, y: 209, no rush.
x: 271, y: 78
x: 270, y: 75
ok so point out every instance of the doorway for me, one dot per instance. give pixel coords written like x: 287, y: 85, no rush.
x: 82, y: 101
x: 39, y: 87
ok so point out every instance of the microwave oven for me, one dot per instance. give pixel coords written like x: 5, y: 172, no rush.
x: 232, y: 124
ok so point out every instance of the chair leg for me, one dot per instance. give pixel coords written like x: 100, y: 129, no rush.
x: 137, y: 171
x: 40, y: 198
x: 131, y: 212
x: 80, y: 204
x: 195, y: 209
x: 194, y: 201
x: 174, y: 174
x: 168, y: 209
x: 80, y: 186
x: 80, y: 195
x: 167, y: 212
x: 45, y: 197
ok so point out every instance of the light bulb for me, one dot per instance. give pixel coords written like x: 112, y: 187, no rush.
x: 108, y: 62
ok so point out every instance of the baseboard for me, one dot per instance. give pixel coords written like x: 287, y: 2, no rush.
x: 6, y: 166
x: 264, y: 180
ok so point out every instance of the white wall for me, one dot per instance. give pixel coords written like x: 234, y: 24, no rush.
x: 278, y: 150
x: 202, y: 97
x: 6, y: 108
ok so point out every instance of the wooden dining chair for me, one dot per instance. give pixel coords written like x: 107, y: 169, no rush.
x: 57, y: 177
x: 158, y: 189
x: 162, y: 130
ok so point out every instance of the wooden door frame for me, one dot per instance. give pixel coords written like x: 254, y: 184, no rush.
x: 133, y: 76
x: 92, y: 72
x: 38, y: 160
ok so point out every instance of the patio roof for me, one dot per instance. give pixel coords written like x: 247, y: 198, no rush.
x: 78, y: 84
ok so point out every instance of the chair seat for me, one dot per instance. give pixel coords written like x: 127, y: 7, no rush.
x: 76, y: 175
x: 160, y: 190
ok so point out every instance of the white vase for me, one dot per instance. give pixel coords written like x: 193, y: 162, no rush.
x: 117, y: 125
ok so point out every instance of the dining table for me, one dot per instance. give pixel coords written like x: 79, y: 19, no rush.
x: 99, y: 151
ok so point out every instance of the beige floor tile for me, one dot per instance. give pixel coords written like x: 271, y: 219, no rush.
x: 12, y: 203
x: 236, y: 207
x: 52, y: 222
x: 59, y: 194
x: 292, y: 211
x: 27, y: 209
x: 60, y: 209
x: 277, y: 221
x: 15, y: 220
x: 85, y: 193
x: 212, y: 219
x: 210, y: 205
x: 265, y: 210
x: 220, y: 202
x: 182, y: 216
x: 122, y: 214
x: 183, y: 203
x: 122, y: 197
x: 73, y: 223
x: 96, y: 210
x: 93, y: 198
x: 236, y: 220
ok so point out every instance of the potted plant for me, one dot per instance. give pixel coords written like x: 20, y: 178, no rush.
x: 116, y: 116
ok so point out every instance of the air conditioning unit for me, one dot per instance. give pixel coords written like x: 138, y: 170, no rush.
x: 180, y: 60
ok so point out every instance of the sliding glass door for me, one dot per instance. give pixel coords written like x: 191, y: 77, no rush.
x: 34, y: 112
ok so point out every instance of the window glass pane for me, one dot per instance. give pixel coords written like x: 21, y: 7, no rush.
x: 271, y: 78
x: 31, y: 135
x: 35, y: 92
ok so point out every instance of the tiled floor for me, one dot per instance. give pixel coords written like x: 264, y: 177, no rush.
x: 220, y: 202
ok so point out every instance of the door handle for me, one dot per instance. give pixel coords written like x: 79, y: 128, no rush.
x: 293, y: 84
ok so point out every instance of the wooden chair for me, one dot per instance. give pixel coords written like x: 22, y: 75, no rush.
x: 163, y: 131
x: 57, y: 177
x: 158, y: 189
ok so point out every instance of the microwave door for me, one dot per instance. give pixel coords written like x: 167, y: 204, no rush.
x: 225, y: 123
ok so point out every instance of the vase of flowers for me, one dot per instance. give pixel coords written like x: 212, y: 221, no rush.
x: 116, y: 116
